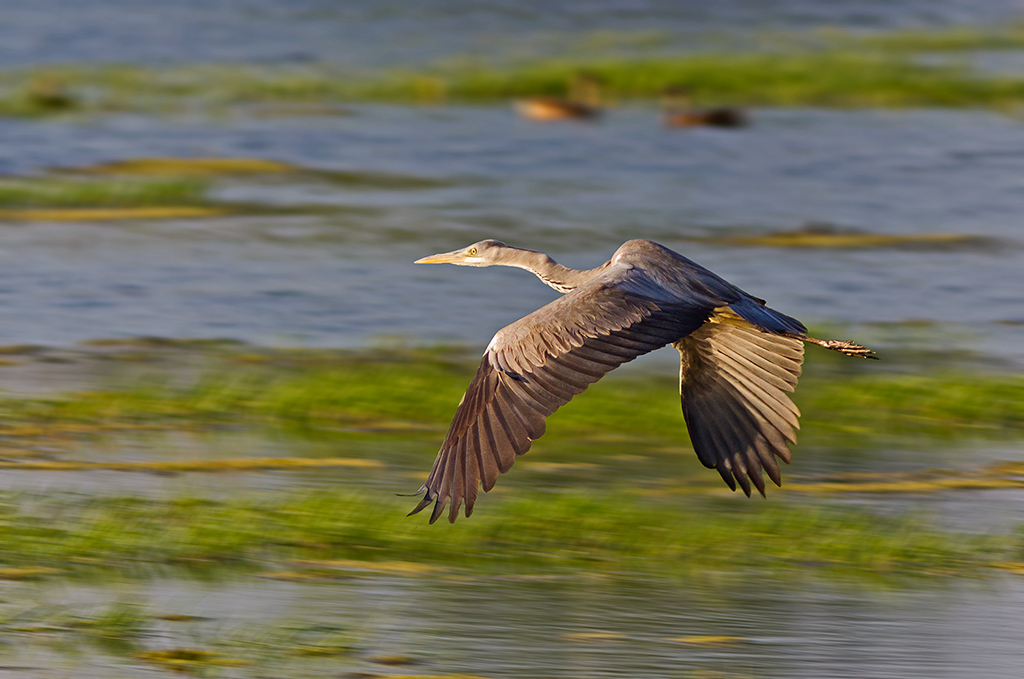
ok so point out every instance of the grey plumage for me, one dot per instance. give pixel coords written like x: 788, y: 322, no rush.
x: 738, y: 360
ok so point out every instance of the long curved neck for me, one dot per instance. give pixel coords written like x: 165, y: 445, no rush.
x: 559, y: 277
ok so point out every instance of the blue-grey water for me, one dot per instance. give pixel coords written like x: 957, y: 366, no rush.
x: 372, y: 33
x: 569, y: 628
x: 341, y: 275
x: 344, y: 277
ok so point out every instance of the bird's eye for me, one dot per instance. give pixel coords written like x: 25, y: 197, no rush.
x: 472, y: 252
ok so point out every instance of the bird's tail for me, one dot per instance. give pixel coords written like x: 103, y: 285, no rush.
x: 766, y: 318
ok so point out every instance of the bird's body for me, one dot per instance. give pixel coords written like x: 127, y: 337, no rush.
x: 680, y: 112
x: 546, y: 109
x: 738, y: 358
x: 721, y: 116
x: 582, y: 103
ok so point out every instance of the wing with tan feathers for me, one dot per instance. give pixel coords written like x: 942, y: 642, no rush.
x: 535, y: 365
x: 733, y: 381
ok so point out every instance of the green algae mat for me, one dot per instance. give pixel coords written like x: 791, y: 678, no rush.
x: 595, y: 493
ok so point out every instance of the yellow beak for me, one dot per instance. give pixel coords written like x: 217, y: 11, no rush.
x: 442, y: 258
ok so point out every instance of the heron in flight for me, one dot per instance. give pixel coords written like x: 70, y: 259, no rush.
x: 738, y: 359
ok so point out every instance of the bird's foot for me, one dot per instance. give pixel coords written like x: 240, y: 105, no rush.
x: 843, y: 347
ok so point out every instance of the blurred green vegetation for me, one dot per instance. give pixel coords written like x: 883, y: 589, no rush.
x: 530, y: 531
x: 1009, y: 36
x: 205, y: 168
x: 413, y: 387
x: 58, y: 192
x: 407, y: 397
x: 158, y: 188
x: 833, y: 78
x: 821, y: 68
x: 830, y: 79
x: 946, y: 404
x: 826, y: 236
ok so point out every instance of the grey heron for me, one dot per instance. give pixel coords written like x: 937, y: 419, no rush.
x: 738, y: 359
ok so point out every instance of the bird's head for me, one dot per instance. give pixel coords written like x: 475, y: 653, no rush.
x: 483, y: 253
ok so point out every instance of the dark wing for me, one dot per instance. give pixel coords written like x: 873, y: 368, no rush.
x: 733, y: 380
x: 535, y: 365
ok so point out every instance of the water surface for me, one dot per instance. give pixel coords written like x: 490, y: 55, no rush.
x: 570, y: 627
x: 342, y: 275
x: 375, y: 33
x: 335, y: 270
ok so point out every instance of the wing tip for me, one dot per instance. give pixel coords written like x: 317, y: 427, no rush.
x: 429, y: 497
x: 438, y: 509
x: 423, y: 503
x: 747, y: 482
x: 439, y: 506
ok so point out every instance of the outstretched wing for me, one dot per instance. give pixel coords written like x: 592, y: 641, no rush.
x: 535, y: 365
x: 733, y: 380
